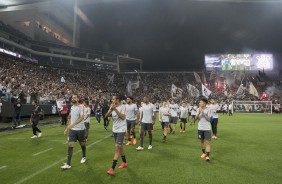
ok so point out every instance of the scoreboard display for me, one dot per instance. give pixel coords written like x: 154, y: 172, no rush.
x: 233, y: 62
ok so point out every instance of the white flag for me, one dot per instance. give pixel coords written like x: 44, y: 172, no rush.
x: 241, y: 90
x: 197, y: 77
x: 111, y: 79
x: 129, y: 89
x: 176, y: 92
x: 138, y: 77
x: 135, y: 85
x: 205, y: 91
x: 193, y: 91
x: 173, y: 91
x: 253, y: 90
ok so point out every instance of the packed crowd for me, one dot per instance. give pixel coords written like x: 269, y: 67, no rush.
x: 29, y: 81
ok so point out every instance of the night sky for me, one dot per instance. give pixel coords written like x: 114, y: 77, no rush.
x: 174, y: 35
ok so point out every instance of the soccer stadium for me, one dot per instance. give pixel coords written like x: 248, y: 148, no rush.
x: 140, y: 91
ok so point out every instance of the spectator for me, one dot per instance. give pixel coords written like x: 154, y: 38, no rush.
x: 17, y: 113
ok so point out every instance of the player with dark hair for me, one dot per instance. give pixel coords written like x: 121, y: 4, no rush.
x: 87, y: 112
x: 183, y: 114
x: 75, y: 130
x: 148, y: 116
x: 173, y: 110
x: 214, y: 108
x: 204, y: 128
x: 164, y: 118
x: 131, y: 118
x: 117, y: 111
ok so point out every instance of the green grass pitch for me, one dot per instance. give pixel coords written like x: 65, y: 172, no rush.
x: 248, y: 150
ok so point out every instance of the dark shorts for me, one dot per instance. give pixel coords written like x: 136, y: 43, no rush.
x: 173, y: 120
x: 204, y: 134
x: 165, y: 125
x: 130, y: 124
x: 34, y: 123
x: 183, y: 120
x: 215, y: 121
x: 87, y: 125
x: 146, y: 126
x: 119, y: 137
x: 189, y: 113
x: 76, y: 135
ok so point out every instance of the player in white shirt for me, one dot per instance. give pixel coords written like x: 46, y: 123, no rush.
x: 118, y: 113
x: 183, y: 113
x: 131, y: 117
x: 230, y: 109
x: 214, y: 108
x: 173, y: 110
x: 204, y: 128
x: 164, y: 118
x: 75, y: 130
x: 87, y: 112
x: 189, y: 112
x: 225, y: 107
x: 148, y: 116
x: 193, y: 113
x: 0, y: 106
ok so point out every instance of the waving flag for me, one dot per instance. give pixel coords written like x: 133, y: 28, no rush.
x: 253, y: 90
x: 197, y: 77
x: 205, y: 91
x: 193, y: 91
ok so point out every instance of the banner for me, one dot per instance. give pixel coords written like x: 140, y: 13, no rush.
x: 197, y: 77
x: 176, y: 92
x: 253, y: 90
x: 205, y: 91
x: 129, y: 89
x: 135, y: 85
x: 111, y: 79
x: 60, y: 102
x: 138, y: 77
x: 193, y: 91
x: 241, y: 90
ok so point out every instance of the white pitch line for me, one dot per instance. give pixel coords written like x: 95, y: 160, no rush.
x: 59, y: 161
x: 3, y: 167
x: 42, y: 152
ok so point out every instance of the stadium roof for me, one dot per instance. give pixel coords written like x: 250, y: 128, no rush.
x: 5, y: 3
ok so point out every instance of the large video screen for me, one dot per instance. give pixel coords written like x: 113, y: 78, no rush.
x: 229, y: 62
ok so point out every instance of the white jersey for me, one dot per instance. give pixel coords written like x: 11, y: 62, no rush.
x: 131, y: 111
x: 203, y: 123
x: 194, y: 110
x: 183, y: 112
x: 213, y: 110
x: 173, y: 109
x: 76, y: 112
x: 119, y: 125
x: 164, y: 118
x: 230, y: 107
x: 189, y: 108
x: 140, y: 112
x: 147, y: 111
x: 87, y: 112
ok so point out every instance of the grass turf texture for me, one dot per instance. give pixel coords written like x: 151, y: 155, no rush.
x: 248, y: 150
